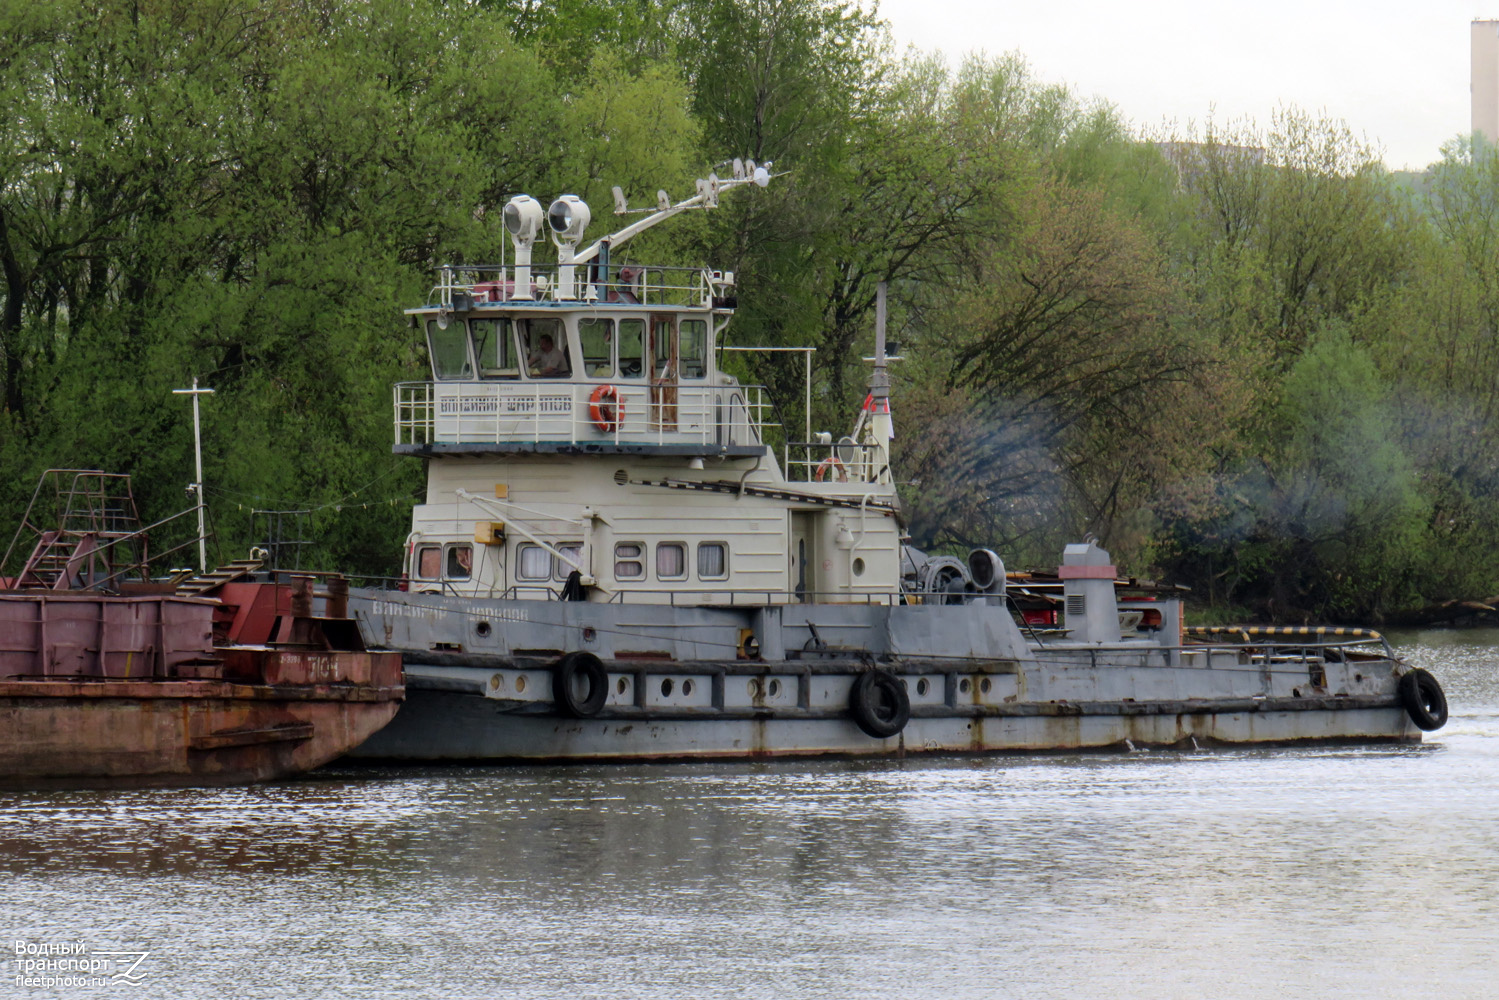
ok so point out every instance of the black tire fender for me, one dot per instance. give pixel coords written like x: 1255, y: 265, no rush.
x: 879, y: 704
x: 564, y: 687
x: 1424, y: 700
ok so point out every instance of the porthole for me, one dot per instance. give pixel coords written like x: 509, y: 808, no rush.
x: 520, y: 684
x: 754, y: 688
x: 858, y: 567
x: 686, y: 689
x: 589, y: 635
x: 963, y: 685
x: 482, y: 629
x: 666, y: 688
x: 623, y: 685
x: 621, y: 477
x: 985, y: 685
x: 922, y: 686
x: 775, y: 688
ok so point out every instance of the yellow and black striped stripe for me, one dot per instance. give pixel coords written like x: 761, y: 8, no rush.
x: 1304, y: 631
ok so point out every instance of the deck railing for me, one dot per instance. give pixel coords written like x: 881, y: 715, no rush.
x: 515, y: 412
x: 840, y: 462
x: 623, y: 284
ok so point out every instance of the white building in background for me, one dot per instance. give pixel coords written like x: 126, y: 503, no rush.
x: 1486, y: 78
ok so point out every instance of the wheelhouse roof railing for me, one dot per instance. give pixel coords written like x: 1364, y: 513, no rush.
x: 478, y: 286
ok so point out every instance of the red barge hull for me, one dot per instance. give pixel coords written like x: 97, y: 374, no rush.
x: 79, y: 734
x: 162, y: 690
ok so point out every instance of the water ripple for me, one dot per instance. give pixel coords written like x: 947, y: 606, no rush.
x: 1328, y: 872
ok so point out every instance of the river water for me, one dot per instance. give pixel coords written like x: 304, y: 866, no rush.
x: 1333, y: 872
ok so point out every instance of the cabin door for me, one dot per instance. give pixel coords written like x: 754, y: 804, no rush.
x: 664, y: 370
x: 803, y: 558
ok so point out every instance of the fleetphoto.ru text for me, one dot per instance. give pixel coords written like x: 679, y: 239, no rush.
x: 55, y: 964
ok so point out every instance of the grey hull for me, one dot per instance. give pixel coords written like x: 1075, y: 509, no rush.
x: 448, y: 725
x: 683, y: 683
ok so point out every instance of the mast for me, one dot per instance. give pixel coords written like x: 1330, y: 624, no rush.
x: 196, y: 487
x: 876, y: 428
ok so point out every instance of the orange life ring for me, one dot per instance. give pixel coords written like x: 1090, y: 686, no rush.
x: 606, y: 409
x: 834, y: 463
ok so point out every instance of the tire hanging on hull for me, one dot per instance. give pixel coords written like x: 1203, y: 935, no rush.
x: 1424, y: 700
x: 879, y: 704
x: 564, y: 685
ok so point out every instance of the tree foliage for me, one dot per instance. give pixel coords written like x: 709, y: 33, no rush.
x: 1247, y: 358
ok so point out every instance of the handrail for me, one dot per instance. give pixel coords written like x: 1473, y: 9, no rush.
x: 496, y: 411
x: 1247, y: 633
x: 480, y: 286
x: 138, y: 534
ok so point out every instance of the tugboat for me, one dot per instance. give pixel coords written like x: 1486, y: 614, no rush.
x: 110, y: 679
x: 615, y: 562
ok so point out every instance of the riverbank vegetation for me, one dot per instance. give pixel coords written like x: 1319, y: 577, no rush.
x: 1245, y: 356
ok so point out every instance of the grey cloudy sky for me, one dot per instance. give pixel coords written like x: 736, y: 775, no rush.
x: 1397, y: 72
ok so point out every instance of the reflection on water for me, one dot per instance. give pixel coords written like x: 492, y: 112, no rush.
x: 1334, y: 872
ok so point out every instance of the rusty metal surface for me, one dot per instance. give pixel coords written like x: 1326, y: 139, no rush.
x: 110, y: 690
x: 162, y: 733
x: 255, y: 608
x: 300, y: 666
x: 189, y: 689
x: 91, y: 635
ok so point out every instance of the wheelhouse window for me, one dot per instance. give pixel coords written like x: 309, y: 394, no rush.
x: 596, y: 338
x: 628, y: 564
x: 544, y: 340
x: 694, y: 348
x: 535, y: 563
x: 671, y: 561
x: 460, y: 562
x: 561, y: 568
x: 494, y: 348
x: 631, y: 347
x: 449, y: 349
x: 429, y: 562
x: 712, y: 561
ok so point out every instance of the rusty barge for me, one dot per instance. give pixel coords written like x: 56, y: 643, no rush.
x: 108, y: 679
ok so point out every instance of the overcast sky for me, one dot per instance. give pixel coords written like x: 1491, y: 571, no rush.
x: 1397, y: 72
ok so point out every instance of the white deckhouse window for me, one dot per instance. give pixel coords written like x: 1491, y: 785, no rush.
x: 628, y: 564
x: 460, y: 562
x: 596, y: 338
x: 535, y: 563
x: 449, y: 344
x: 712, y: 561
x: 494, y: 347
x: 694, y: 345
x: 561, y: 567
x: 671, y: 561
x: 631, y: 347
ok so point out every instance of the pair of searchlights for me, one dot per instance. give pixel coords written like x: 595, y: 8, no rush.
x: 569, y: 216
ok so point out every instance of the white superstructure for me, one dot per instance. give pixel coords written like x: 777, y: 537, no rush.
x: 581, y: 423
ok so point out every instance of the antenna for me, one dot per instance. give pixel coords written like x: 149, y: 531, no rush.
x: 197, y: 486
x: 707, y: 193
